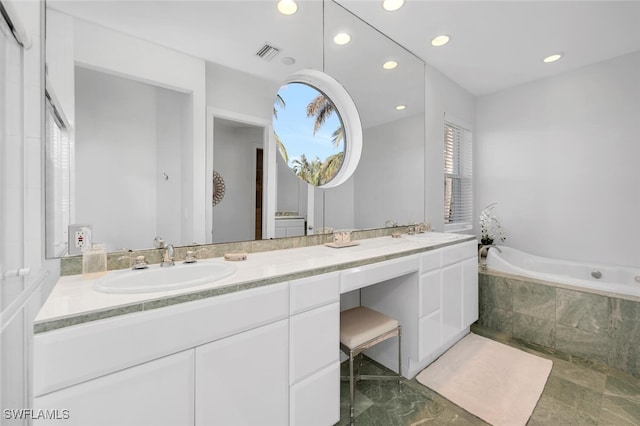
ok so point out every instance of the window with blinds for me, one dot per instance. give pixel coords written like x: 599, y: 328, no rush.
x: 58, y: 181
x: 458, y: 190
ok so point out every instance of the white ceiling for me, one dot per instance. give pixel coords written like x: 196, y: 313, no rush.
x: 494, y: 44
x: 500, y: 44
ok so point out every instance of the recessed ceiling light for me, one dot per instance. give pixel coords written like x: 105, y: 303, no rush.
x: 440, y: 40
x: 400, y: 107
x: 552, y: 58
x: 342, y: 38
x: 287, y: 7
x: 389, y: 65
x: 288, y: 60
x: 391, y: 5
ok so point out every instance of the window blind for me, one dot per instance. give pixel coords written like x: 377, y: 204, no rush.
x: 458, y: 172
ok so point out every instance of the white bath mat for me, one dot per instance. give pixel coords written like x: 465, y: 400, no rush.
x: 495, y: 382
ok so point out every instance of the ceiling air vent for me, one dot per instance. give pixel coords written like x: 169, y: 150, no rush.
x: 267, y: 52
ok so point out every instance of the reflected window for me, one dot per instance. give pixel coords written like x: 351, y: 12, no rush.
x: 309, y: 131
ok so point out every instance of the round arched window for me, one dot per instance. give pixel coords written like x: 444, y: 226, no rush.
x: 317, y: 128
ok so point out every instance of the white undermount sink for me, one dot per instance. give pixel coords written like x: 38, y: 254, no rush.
x: 156, y: 278
x: 434, y: 237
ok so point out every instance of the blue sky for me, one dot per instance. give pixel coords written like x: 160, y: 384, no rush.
x: 296, y: 130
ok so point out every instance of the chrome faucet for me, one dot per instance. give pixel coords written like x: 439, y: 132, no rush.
x: 482, y: 255
x: 167, y: 256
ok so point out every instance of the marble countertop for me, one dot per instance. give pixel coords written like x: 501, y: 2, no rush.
x: 73, y: 300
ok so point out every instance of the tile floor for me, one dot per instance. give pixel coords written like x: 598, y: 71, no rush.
x: 574, y: 395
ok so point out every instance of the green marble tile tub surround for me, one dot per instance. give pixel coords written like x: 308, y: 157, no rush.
x: 596, y: 330
x: 72, y: 265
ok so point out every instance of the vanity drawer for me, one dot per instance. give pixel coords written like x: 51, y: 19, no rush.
x: 456, y: 253
x: 355, y: 278
x: 311, y: 292
x: 430, y: 261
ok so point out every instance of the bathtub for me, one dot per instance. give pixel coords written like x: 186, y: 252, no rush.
x: 585, y: 276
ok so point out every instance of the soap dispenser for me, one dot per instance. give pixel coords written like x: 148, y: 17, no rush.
x: 94, y: 262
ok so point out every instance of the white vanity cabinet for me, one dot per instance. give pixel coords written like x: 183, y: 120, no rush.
x: 314, y: 360
x: 434, y: 296
x: 160, y: 392
x: 267, y: 355
x: 289, y: 227
x: 448, y: 295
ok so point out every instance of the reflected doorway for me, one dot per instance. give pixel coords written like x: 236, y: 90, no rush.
x: 238, y: 159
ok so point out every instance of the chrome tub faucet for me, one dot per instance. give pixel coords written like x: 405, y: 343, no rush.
x: 482, y: 255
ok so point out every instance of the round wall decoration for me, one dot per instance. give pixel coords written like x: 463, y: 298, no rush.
x: 218, y: 188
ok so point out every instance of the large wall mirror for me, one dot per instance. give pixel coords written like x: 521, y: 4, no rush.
x: 151, y: 113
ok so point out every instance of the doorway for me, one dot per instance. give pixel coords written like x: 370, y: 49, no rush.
x: 241, y: 149
x: 259, y: 194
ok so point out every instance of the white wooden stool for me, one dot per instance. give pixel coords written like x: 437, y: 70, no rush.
x: 360, y: 329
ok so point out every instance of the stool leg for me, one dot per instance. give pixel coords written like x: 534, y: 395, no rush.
x: 352, y: 391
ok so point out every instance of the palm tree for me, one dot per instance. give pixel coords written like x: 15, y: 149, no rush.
x: 331, y: 166
x: 308, y: 171
x: 337, y: 136
x: 279, y: 102
x: 321, y: 108
x: 281, y: 148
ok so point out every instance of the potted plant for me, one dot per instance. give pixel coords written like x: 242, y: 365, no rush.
x: 490, y: 229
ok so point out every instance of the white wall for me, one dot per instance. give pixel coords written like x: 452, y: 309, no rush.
x: 335, y: 207
x: 60, y: 60
x: 240, y: 92
x: 389, y: 181
x: 443, y: 98
x: 116, y: 156
x: 292, y: 191
x: 168, y: 171
x: 129, y: 135
x: 560, y: 157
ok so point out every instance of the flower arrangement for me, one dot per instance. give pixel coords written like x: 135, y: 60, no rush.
x: 490, y: 229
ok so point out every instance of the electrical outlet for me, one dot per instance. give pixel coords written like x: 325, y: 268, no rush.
x: 80, y: 239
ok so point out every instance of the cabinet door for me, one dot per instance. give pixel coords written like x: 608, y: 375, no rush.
x: 451, y: 301
x: 316, y: 399
x: 314, y: 340
x: 243, y: 379
x: 430, y: 292
x: 469, y: 291
x: 159, y: 392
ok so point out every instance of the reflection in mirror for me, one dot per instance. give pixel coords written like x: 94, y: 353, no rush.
x: 389, y: 182
x: 129, y: 152
x: 309, y: 132
x: 58, y: 178
x: 208, y: 60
